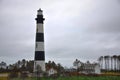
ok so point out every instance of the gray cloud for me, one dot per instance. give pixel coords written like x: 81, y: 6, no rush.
x: 84, y: 29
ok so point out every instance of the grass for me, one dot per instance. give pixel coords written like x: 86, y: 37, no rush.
x: 76, y: 78
x: 3, y: 78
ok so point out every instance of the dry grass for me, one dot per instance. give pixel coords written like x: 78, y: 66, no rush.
x: 3, y: 78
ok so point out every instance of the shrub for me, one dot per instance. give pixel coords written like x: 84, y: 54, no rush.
x: 13, y: 75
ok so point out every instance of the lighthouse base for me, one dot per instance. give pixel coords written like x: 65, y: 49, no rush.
x: 39, y: 66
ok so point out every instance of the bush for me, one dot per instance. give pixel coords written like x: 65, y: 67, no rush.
x: 23, y: 75
x: 13, y: 75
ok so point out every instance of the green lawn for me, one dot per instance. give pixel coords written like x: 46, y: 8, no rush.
x: 77, y: 78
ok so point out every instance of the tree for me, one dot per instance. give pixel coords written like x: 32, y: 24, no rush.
x: 108, y: 62
x: 111, y: 62
x: 115, y: 60
x: 60, y: 69
x: 18, y: 64
x: 101, y: 61
x: 30, y: 65
x: 53, y: 64
x: 105, y: 58
x: 119, y: 63
x: 24, y: 62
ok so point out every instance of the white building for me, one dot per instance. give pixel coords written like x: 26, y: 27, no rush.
x: 77, y: 63
x: 51, y: 71
x: 90, y: 68
x: 87, y: 68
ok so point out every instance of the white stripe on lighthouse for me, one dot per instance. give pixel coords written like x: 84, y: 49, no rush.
x: 41, y: 63
x: 40, y: 28
x: 39, y: 46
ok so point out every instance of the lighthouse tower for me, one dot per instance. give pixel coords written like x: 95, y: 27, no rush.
x: 39, y: 60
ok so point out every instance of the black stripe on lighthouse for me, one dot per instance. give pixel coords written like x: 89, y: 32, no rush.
x: 39, y: 19
x: 39, y: 37
x: 39, y: 55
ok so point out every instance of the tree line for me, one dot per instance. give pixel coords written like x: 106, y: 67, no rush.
x: 27, y: 65
x: 20, y: 65
x: 110, y: 63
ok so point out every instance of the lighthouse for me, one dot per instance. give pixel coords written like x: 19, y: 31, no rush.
x: 39, y: 59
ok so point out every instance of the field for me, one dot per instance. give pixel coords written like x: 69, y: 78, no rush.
x: 4, y: 76
x: 76, y: 78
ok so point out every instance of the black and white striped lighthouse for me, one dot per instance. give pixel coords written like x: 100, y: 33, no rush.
x: 39, y: 60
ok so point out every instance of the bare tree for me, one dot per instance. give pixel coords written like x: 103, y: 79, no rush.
x: 101, y: 61
x: 115, y: 59
x: 119, y: 62
x: 105, y: 59
x: 111, y: 62
x: 108, y: 62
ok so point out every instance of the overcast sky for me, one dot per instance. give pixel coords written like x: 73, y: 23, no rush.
x: 82, y: 29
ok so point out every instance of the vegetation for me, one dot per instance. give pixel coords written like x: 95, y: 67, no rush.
x: 4, y: 78
x: 23, y: 68
x: 13, y: 75
x: 110, y: 63
x: 24, y: 65
x: 19, y: 66
x: 76, y: 78
x: 52, y: 64
x: 20, y: 70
